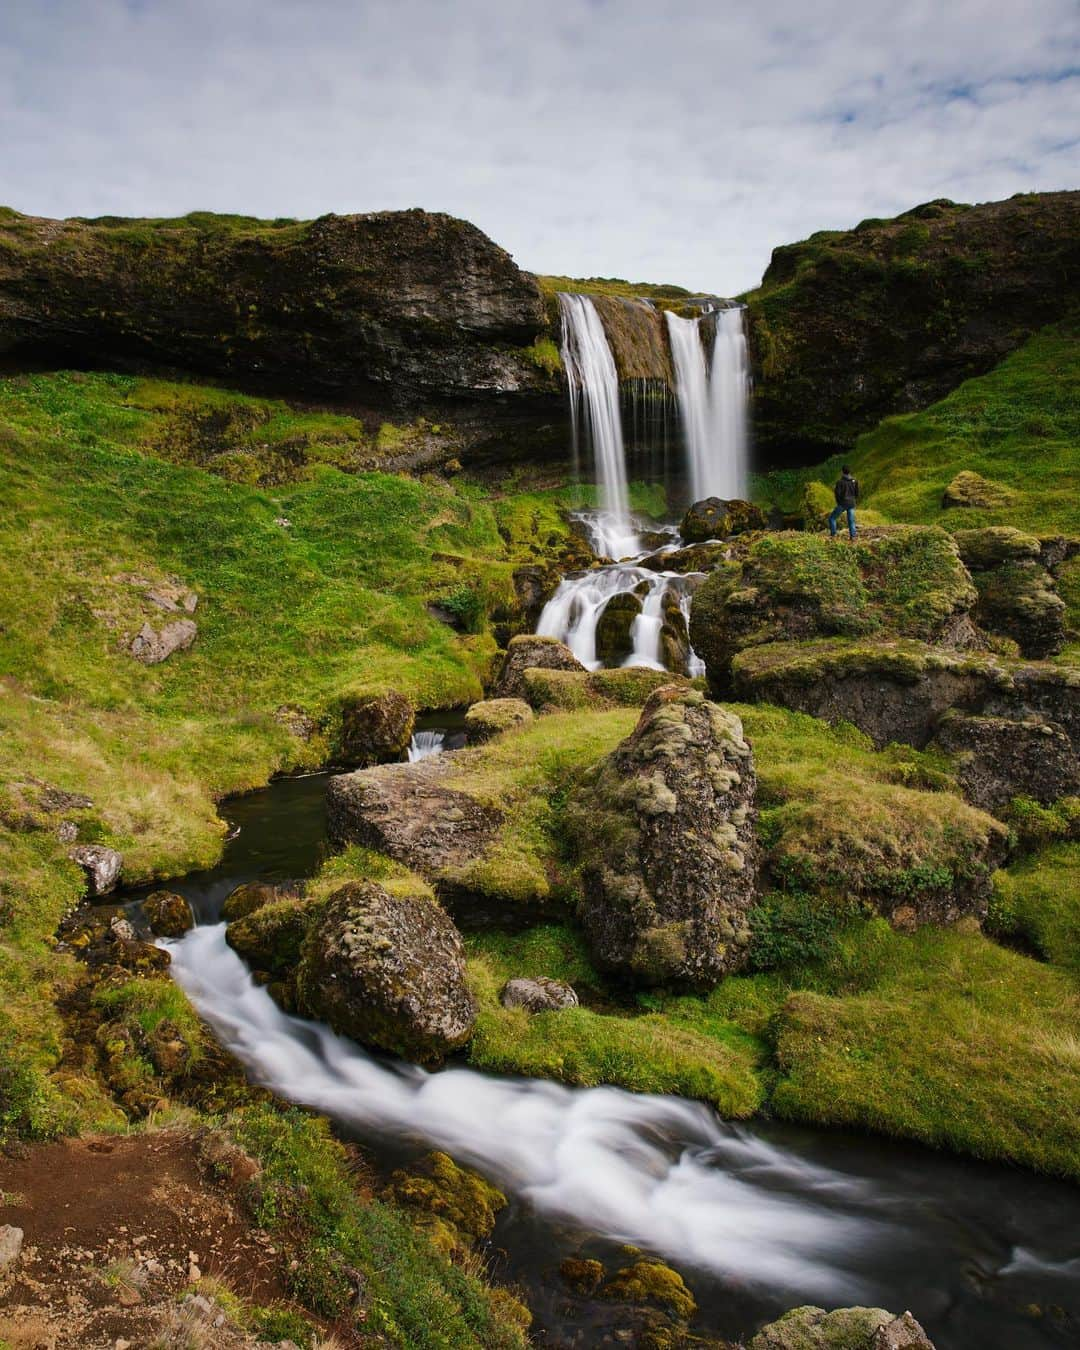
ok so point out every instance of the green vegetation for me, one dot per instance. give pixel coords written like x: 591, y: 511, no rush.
x: 1037, y: 900
x: 617, y: 286
x: 412, y: 1294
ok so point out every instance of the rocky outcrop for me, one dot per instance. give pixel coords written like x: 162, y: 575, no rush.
x: 375, y: 728
x: 529, y: 652
x: 812, y: 1328
x: 850, y: 326
x: 101, y: 865
x: 410, y: 303
x: 894, y: 581
x: 168, y: 914
x: 151, y: 645
x: 665, y: 829
x: 998, y: 758
x: 408, y: 813
x: 492, y: 716
x: 714, y: 518
x: 388, y: 971
x: 539, y: 994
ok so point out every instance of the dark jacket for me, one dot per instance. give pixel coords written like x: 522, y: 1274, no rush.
x: 846, y: 490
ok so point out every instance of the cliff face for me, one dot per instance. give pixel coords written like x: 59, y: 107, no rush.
x: 407, y: 303
x: 851, y: 326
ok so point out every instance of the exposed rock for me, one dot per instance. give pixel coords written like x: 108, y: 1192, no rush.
x: 407, y: 302
x: 693, y: 558
x: 54, y: 799
x: 492, y: 716
x: 168, y: 914
x: 540, y: 994
x: 11, y: 1241
x: 67, y: 831
x: 851, y: 326
x: 252, y: 895
x: 101, y: 865
x: 529, y: 652
x: 998, y: 758
x: 1019, y: 600
x: 388, y: 971
x: 122, y: 928
x: 893, y: 581
x: 810, y: 1328
x: 405, y: 811
x: 151, y: 647
x: 613, y: 641
x: 665, y: 829
x: 994, y: 545
x: 971, y: 489
x: 376, y: 728
x: 714, y: 518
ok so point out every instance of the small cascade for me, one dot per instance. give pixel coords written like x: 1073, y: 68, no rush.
x: 594, y: 406
x: 424, y: 744
x: 712, y: 402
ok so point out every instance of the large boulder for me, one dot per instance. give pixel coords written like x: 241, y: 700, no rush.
x: 492, y: 716
x: 389, y: 971
x: 715, y: 518
x: 1017, y: 594
x: 375, y: 728
x: 411, y: 303
x: 998, y: 758
x: 970, y: 489
x: 894, y: 581
x: 529, y: 652
x: 811, y: 1328
x: 665, y: 828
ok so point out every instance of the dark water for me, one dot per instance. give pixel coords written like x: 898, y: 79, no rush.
x: 759, y: 1218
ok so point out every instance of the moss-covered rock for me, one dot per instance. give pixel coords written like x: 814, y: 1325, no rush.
x: 492, y: 716
x: 168, y: 914
x: 894, y: 580
x: 613, y: 628
x: 270, y: 937
x: 664, y: 827
x: 999, y: 758
x: 375, y: 728
x: 995, y: 544
x: 252, y: 895
x: 529, y: 652
x: 970, y: 489
x: 850, y: 326
x: 811, y: 1328
x: 715, y: 518
x: 652, y: 1282
x: 1020, y: 601
x: 571, y: 690
x: 388, y: 971
x: 456, y: 1205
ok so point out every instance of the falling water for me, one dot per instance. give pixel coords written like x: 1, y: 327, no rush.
x: 594, y: 404
x: 425, y: 743
x: 712, y: 403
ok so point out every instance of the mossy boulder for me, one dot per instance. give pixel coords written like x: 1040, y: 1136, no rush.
x: 529, y: 652
x: 972, y: 490
x: 168, y: 914
x: 375, y: 728
x: 270, y: 938
x: 456, y: 1206
x: 492, y: 716
x: 715, y: 518
x: 995, y: 544
x: 252, y: 895
x: 894, y: 581
x: 652, y: 1282
x: 613, y: 628
x: 664, y: 827
x: 389, y: 971
x: 1019, y: 600
x: 999, y: 758
x: 810, y: 1328
x: 571, y: 690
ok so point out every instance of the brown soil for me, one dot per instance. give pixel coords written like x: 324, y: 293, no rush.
x: 114, y: 1229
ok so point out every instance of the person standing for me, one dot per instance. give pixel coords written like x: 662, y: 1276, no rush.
x: 846, y: 493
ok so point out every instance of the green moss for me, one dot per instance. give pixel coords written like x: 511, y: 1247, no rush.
x: 544, y: 354
x: 652, y: 1282
x: 458, y: 1207
x: 271, y: 936
x: 1038, y: 899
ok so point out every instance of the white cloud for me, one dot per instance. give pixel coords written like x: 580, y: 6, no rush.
x: 613, y: 137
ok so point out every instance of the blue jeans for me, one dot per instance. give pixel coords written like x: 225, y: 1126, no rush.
x: 835, y: 515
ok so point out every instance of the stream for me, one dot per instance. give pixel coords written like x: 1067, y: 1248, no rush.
x: 759, y: 1217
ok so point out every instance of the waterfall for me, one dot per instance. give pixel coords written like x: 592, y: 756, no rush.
x: 594, y: 406
x: 712, y: 402
x: 424, y: 744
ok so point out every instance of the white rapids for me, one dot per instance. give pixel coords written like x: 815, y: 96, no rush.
x: 424, y: 744
x: 659, y: 1172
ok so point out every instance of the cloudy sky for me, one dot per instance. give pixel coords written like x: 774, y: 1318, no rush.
x: 675, y: 140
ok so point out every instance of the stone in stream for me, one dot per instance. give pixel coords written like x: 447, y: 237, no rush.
x: 529, y: 652
x: 375, y: 728
x: 614, y: 642
x: 168, y: 915
x: 810, y: 1328
x: 252, y: 895
x: 492, y: 716
x: 540, y: 994
x: 389, y: 971
x: 101, y: 865
x: 664, y: 826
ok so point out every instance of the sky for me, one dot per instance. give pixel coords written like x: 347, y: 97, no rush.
x: 675, y: 140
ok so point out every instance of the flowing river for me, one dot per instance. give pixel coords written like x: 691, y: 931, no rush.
x: 758, y: 1217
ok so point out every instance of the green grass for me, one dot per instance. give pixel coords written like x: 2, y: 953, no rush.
x: 412, y: 1295
x: 1037, y: 899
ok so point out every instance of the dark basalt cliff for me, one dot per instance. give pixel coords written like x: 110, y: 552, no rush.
x: 405, y: 306
x: 852, y: 326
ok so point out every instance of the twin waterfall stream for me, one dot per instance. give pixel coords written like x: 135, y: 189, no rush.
x: 712, y: 395
x: 760, y: 1217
